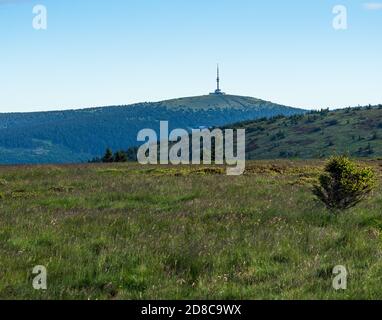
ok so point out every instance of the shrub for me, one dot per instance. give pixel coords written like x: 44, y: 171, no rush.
x: 108, y: 157
x: 331, y: 123
x: 120, y: 156
x: 344, y: 184
x: 278, y: 136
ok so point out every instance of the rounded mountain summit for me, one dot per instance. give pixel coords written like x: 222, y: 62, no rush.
x: 74, y: 136
x: 225, y: 101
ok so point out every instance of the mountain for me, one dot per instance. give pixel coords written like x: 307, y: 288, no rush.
x: 79, y: 135
x: 319, y: 134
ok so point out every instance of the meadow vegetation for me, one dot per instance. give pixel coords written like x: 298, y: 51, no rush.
x: 123, y: 231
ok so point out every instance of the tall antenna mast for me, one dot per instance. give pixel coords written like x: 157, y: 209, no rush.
x: 217, y: 91
x: 218, y: 79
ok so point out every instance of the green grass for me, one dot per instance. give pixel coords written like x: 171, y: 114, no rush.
x: 131, y: 232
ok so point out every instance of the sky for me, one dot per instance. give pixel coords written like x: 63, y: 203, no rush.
x: 117, y: 52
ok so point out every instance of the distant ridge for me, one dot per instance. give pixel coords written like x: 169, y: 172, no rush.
x: 73, y: 136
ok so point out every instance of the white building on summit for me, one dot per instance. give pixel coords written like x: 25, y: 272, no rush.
x: 218, y: 90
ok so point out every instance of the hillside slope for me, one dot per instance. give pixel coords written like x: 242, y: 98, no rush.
x: 353, y: 131
x: 79, y: 135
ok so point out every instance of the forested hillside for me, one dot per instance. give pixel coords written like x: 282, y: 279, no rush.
x: 353, y: 131
x: 79, y: 135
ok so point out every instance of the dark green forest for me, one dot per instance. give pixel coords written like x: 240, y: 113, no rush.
x: 79, y: 135
x: 356, y: 132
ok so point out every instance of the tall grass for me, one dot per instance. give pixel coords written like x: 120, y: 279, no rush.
x: 130, y: 232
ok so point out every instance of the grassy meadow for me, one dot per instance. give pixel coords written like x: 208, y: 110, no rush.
x: 124, y: 231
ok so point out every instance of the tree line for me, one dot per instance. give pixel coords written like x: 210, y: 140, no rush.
x: 130, y: 155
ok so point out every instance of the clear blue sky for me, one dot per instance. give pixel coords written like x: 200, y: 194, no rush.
x: 97, y: 53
